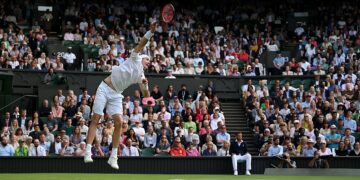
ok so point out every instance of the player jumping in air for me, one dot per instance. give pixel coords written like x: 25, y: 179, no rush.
x: 108, y: 95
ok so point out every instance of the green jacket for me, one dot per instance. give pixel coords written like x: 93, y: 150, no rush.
x: 22, y: 151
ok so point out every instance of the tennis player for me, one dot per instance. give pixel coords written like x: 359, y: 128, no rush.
x: 108, y: 95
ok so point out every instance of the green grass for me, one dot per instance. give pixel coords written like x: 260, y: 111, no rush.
x: 75, y: 176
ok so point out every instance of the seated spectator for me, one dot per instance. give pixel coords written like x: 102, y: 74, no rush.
x: 130, y: 150
x: 333, y: 138
x: 342, y: 151
x: 37, y: 150
x: 66, y: 148
x: 191, y: 150
x: 209, y: 151
x: 5, y: 148
x: 55, y: 147
x: 225, y: 150
x: 163, y: 146
x: 76, y: 138
x: 309, y: 150
x: 96, y: 150
x: 222, y: 136
x: 318, y: 162
x: 21, y: 150
x: 323, y: 150
x: 81, y: 150
x: 177, y: 148
x: 356, y: 150
x: 139, y: 131
x: 150, y: 138
x: 134, y: 138
x: 44, y: 143
x: 286, y: 162
x: 275, y: 149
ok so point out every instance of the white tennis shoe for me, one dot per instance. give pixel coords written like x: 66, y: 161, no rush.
x: 87, y: 157
x: 113, y: 162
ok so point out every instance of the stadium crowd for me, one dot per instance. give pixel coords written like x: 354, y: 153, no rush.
x: 302, y: 116
x: 176, y: 123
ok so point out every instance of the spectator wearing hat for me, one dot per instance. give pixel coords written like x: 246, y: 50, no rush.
x: 81, y: 150
x: 170, y: 74
x: 309, y: 150
x: 191, y: 150
x: 183, y: 94
x: 323, y: 150
x: 21, y: 150
x: 69, y: 57
x: 333, y: 138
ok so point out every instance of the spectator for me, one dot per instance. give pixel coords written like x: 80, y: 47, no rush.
x: 209, y: 151
x: 66, y: 148
x: 150, y: 138
x: 130, y: 150
x: 222, y: 137
x: 356, y: 150
x: 309, y: 150
x: 191, y: 150
x: 318, y: 162
x: 37, y: 150
x: 342, y: 151
x: 333, y: 138
x: 5, y: 148
x: 225, y: 150
x: 177, y: 149
x: 81, y: 150
x: 275, y: 149
x: 163, y: 146
x: 21, y: 150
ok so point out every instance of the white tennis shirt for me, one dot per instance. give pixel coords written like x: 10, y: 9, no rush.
x: 128, y: 73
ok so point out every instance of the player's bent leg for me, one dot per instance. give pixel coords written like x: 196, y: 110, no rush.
x: 115, y: 141
x: 90, y: 137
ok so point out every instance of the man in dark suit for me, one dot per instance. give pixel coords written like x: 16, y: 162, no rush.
x: 5, y: 122
x: 183, y: 93
x: 238, y: 151
x: 23, y: 119
x: 23, y: 65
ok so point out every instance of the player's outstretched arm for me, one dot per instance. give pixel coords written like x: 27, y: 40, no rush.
x: 145, y: 38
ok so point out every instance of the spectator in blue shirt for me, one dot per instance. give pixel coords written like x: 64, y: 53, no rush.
x: 5, y: 148
x: 333, y: 139
x: 349, y: 122
x: 279, y: 63
x: 276, y: 149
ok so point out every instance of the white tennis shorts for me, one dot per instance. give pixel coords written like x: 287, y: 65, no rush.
x: 108, y: 98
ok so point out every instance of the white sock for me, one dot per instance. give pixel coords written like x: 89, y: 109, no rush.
x: 88, y: 147
x: 114, y: 152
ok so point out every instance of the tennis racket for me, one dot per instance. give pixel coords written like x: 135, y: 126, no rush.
x: 167, y: 13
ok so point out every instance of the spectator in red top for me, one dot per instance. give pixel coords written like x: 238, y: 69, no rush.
x: 177, y: 149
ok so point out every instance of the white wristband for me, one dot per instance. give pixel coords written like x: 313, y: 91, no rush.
x: 148, y: 35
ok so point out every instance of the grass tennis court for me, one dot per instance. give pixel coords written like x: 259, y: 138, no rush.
x: 75, y: 176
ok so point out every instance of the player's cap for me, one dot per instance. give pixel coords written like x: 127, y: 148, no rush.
x: 144, y: 56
